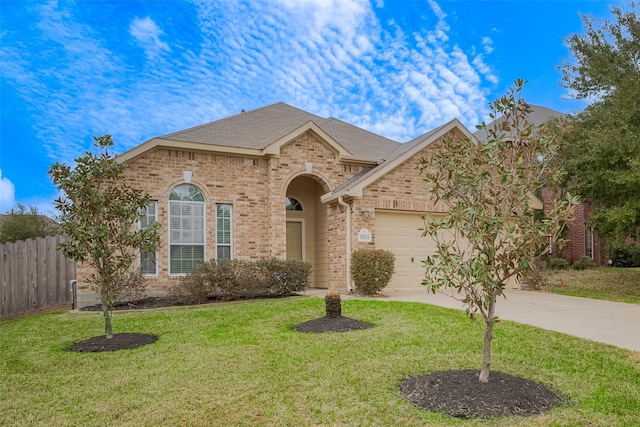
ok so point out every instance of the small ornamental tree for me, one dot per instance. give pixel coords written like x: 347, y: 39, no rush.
x: 489, y: 236
x: 99, y: 213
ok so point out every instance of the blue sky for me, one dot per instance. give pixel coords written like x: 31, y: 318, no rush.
x: 139, y: 69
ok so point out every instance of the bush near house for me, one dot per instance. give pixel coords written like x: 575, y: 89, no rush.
x: 372, y: 269
x: 583, y: 263
x: 237, y: 278
x: 625, y: 256
x: 558, y: 264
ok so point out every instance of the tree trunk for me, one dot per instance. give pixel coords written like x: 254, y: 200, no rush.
x: 107, y: 321
x: 488, y: 336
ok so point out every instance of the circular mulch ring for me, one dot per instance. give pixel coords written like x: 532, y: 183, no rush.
x: 460, y: 394
x: 332, y: 324
x: 126, y: 341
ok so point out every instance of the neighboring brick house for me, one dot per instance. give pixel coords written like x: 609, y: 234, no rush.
x: 281, y: 182
x: 581, y: 239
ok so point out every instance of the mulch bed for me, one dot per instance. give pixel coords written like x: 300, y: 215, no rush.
x: 145, y: 303
x: 460, y: 394
x: 126, y: 341
x: 332, y: 324
x: 162, y: 302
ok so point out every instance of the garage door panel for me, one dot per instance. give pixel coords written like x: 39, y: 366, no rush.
x: 400, y: 233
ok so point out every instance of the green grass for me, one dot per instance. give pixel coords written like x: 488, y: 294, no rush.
x: 240, y: 364
x: 613, y: 284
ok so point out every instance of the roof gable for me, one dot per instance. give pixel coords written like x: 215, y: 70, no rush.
x: 355, y: 186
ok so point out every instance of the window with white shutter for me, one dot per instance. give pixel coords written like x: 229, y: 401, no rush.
x: 148, y: 260
x: 223, y: 231
x: 186, y: 228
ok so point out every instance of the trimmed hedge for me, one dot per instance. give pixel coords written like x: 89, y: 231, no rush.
x: 372, y: 269
x: 239, y: 278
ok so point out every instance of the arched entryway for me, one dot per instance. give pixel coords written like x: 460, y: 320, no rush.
x: 307, y: 236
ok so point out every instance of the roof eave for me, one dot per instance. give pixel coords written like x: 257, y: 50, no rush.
x: 384, y: 168
x: 188, y: 146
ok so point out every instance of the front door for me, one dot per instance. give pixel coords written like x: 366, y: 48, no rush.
x: 294, y: 240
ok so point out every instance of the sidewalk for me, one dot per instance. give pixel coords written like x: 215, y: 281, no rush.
x: 614, y: 323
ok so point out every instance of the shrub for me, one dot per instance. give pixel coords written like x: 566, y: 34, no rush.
x: 558, y: 263
x: 282, y: 277
x: 625, y: 256
x: 197, y: 286
x: 131, y: 287
x: 231, y: 279
x: 583, y: 263
x: 333, y: 304
x: 372, y: 269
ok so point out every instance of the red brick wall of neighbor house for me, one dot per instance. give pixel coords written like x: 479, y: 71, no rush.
x: 575, y: 247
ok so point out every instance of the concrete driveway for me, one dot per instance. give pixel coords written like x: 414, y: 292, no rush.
x: 614, y: 323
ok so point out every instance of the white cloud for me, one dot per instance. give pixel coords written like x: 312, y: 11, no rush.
x: 7, y: 194
x: 484, y: 69
x: 487, y: 44
x: 330, y: 57
x: 147, y: 33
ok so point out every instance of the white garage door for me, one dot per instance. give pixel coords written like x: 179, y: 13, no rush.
x: 399, y: 232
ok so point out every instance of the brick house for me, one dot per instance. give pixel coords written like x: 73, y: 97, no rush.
x: 281, y: 182
x: 581, y: 239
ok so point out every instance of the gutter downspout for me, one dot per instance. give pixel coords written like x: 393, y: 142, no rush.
x: 348, y: 238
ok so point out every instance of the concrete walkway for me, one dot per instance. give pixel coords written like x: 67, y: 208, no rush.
x: 614, y: 323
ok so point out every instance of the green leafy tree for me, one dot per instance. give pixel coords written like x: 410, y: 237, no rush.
x: 99, y: 213
x: 26, y: 223
x: 489, y: 235
x: 602, y: 149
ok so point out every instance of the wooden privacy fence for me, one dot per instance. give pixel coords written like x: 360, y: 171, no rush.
x: 34, y: 275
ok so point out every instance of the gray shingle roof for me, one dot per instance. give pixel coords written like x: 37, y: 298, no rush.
x: 537, y: 116
x: 261, y: 127
x: 358, y: 141
x: 253, y: 129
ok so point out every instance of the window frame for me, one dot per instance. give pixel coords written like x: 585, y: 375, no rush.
x: 142, y: 226
x: 181, y: 202
x: 230, y: 231
x: 293, y: 204
x: 589, y: 247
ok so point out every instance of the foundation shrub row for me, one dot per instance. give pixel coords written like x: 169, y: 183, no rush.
x: 238, y: 278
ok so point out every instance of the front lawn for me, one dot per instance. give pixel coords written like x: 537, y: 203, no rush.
x: 613, y: 284
x: 239, y: 363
